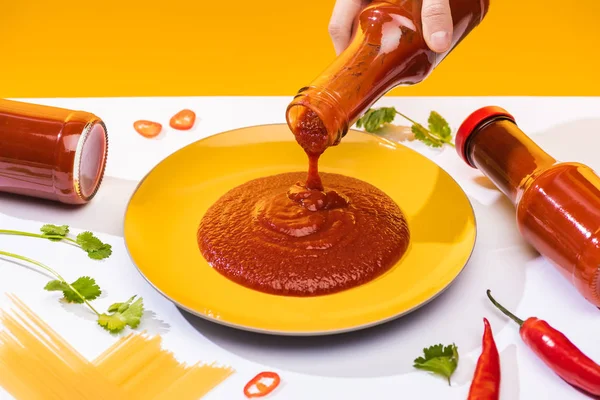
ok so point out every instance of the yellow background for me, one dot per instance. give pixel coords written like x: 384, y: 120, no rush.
x: 273, y: 47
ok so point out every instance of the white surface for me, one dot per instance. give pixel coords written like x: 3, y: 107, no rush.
x: 560, y: 124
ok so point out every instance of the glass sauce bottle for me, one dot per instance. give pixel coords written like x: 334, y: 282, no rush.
x: 557, y: 203
x: 387, y: 50
x: 51, y: 153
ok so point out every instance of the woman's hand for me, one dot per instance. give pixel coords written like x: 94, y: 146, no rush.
x: 435, y: 14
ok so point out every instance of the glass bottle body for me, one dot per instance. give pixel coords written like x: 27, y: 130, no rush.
x: 387, y: 50
x: 557, y: 203
x: 51, y: 153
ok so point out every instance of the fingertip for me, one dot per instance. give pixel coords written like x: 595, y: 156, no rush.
x: 440, y: 41
x: 437, y: 24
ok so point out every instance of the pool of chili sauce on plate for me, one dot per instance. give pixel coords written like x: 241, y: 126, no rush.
x: 300, y: 234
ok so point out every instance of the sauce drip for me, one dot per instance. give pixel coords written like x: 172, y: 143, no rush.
x: 311, y: 135
x: 273, y: 235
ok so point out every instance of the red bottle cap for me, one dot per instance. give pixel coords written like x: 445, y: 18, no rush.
x: 471, y: 123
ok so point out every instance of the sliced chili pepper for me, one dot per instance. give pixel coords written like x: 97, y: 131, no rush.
x: 557, y: 352
x: 148, y: 129
x: 183, y: 120
x: 486, y: 379
x: 257, y: 388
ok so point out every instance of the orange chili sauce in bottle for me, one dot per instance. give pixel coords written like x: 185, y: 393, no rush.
x: 557, y: 203
x: 387, y: 50
x: 51, y: 153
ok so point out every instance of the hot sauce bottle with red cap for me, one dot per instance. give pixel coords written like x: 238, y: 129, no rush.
x: 557, y: 203
x: 51, y: 153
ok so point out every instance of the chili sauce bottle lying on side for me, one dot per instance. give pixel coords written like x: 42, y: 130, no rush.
x: 387, y: 50
x: 51, y: 153
x: 557, y: 203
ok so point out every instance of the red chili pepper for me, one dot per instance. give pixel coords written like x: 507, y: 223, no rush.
x: 486, y: 379
x: 183, y: 120
x: 260, y: 388
x: 557, y: 351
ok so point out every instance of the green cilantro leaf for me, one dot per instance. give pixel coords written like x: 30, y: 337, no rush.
x: 374, y: 119
x: 438, y: 134
x: 421, y: 134
x: 58, y: 230
x: 439, y: 126
x: 120, y: 307
x: 120, y: 315
x: 86, y: 240
x: 55, y: 230
x: 85, y: 285
x: 56, y: 285
x: 95, y: 248
x: 439, y: 360
x: 85, y: 289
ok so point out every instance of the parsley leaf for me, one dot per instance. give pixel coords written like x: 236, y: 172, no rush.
x: 438, y: 134
x: 439, y: 359
x: 85, y: 285
x: 374, y: 119
x: 95, y: 248
x: 120, y: 315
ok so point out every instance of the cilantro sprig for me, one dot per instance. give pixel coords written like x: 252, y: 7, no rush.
x: 120, y: 315
x: 89, y: 243
x: 437, y: 134
x: 85, y: 289
x: 439, y: 359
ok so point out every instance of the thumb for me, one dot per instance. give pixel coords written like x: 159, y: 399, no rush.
x: 437, y: 24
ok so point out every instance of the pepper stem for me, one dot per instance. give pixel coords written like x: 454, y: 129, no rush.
x: 504, y: 310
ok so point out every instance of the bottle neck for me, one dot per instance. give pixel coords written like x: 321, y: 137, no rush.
x: 317, y: 119
x: 508, y: 157
x: 387, y: 50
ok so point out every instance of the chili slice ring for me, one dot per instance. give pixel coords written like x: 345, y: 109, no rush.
x: 260, y: 388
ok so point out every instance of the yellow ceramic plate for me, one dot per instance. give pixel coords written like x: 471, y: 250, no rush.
x: 164, y: 212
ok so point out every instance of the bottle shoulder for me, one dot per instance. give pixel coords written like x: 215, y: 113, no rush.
x: 559, y: 184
